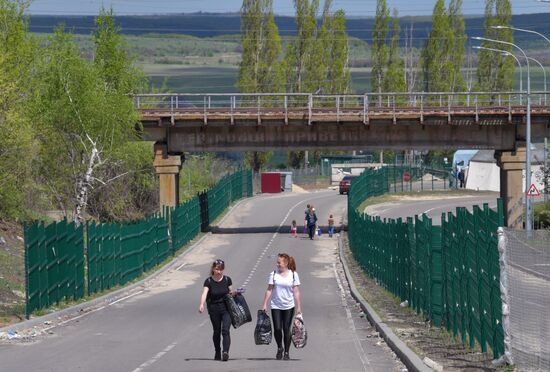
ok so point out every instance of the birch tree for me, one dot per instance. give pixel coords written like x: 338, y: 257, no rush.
x: 82, y: 120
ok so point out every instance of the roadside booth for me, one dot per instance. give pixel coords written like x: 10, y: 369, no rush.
x: 271, y: 182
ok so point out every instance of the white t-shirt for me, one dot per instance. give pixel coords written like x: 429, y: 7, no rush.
x: 282, y: 296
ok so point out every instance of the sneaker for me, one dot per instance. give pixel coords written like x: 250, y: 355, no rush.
x: 286, y: 357
x: 279, y: 355
x: 225, y: 357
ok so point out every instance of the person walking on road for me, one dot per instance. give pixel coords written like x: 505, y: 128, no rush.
x: 330, y: 226
x: 216, y: 286
x: 284, y: 290
x: 311, y: 222
x: 294, y: 229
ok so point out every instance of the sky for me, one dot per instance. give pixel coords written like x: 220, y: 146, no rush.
x: 358, y: 8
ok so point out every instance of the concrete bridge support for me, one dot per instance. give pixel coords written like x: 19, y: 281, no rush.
x: 168, y: 168
x: 511, y: 166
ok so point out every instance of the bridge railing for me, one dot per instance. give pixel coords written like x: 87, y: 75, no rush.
x: 382, y: 101
x: 319, y: 107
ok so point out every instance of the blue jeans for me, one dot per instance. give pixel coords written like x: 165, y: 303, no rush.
x: 330, y: 231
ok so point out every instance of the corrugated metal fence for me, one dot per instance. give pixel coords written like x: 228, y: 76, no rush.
x: 60, y: 263
x: 449, y: 273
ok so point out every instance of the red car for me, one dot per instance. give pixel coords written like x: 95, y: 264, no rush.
x: 344, y: 184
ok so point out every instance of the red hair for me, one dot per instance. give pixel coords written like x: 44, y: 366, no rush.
x: 290, y: 262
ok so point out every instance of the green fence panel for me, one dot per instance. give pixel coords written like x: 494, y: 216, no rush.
x: 185, y: 223
x: 436, y: 276
x: 161, y: 239
x: 34, y: 266
x: 75, y: 244
x: 54, y: 264
x: 449, y: 273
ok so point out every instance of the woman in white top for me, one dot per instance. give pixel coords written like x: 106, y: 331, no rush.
x: 284, y: 290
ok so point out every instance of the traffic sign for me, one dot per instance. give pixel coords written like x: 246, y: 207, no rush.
x: 533, y: 190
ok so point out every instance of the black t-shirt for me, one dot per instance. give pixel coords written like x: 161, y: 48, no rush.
x: 217, y: 290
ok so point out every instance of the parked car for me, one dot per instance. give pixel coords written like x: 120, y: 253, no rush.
x: 345, y: 183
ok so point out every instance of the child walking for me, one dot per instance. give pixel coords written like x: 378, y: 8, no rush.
x: 294, y: 229
x: 330, y: 226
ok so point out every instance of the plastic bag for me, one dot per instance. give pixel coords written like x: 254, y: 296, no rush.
x: 238, y: 310
x: 298, y: 332
x: 319, y: 231
x: 263, y: 333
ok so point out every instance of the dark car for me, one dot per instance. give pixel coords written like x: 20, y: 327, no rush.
x: 345, y: 183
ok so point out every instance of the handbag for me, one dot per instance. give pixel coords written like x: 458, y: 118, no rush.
x: 238, y: 309
x: 298, y: 332
x: 262, y: 332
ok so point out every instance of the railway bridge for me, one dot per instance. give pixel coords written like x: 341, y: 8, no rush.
x: 302, y: 121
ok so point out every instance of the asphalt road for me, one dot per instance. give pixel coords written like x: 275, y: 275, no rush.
x: 158, y: 327
x: 432, y: 206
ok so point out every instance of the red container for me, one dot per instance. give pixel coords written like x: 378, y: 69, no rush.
x: 271, y: 182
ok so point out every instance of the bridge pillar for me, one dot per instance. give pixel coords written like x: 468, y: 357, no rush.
x: 168, y: 168
x: 511, y: 166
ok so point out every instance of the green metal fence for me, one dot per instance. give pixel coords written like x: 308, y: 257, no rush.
x: 186, y: 222
x: 472, y: 276
x: 116, y: 253
x: 54, y: 264
x: 231, y: 187
x: 449, y: 273
x: 121, y: 252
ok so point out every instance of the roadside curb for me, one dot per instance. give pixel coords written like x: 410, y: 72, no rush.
x: 84, y: 307
x: 411, y: 360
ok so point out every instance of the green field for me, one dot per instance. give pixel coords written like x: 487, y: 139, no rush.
x: 199, y: 65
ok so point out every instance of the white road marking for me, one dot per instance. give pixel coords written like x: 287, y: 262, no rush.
x: 357, y: 343
x: 154, y: 359
x: 262, y: 254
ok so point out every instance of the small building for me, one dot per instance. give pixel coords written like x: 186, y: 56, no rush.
x: 275, y: 182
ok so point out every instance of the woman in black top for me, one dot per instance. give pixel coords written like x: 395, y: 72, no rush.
x: 216, y: 286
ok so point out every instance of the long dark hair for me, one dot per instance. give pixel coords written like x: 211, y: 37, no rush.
x: 290, y: 262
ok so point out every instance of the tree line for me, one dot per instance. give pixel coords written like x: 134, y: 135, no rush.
x: 316, y: 60
x: 68, y: 134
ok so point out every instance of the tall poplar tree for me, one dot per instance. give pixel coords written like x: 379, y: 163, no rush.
x: 394, y: 79
x: 496, y: 72
x: 302, y: 51
x: 260, y: 69
x: 379, y: 47
x: 456, y: 23
x: 437, y: 64
x: 252, y: 39
x: 338, y: 75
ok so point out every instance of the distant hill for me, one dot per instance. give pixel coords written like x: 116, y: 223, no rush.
x: 210, y: 25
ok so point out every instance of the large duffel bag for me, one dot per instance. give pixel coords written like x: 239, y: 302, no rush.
x: 238, y: 310
x: 262, y: 332
x: 298, y: 332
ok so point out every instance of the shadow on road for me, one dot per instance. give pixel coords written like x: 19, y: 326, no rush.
x: 265, y: 230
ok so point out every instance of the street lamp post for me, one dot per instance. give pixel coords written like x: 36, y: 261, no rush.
x: 507, y: 53
x: 530, y: 32
x: 528, y: 206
